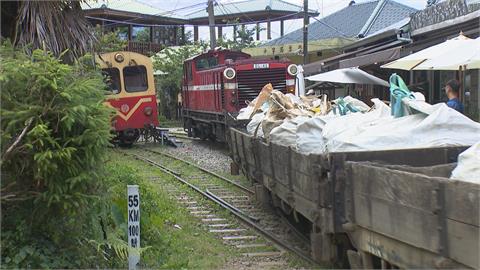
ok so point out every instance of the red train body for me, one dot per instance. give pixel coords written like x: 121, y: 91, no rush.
x: 217, y: 84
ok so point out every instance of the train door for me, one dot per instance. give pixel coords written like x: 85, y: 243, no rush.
x: 187, y: 84
x: 218, y: 90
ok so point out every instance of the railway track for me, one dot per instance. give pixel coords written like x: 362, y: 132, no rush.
x: 255, y: 232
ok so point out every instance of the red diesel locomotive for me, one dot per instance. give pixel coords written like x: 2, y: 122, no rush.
x: 217, y: 84
x: 132, y: 95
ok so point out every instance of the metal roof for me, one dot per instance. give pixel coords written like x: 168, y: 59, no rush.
x: 239, y: 8
x: 131, y: 6
x: 350, y: 21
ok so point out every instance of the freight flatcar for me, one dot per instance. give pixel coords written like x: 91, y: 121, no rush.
x: 132, y: 94
x: 218, y: 83
x: 406, y: 214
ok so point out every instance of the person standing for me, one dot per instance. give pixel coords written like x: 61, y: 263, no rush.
x: 452, y: 89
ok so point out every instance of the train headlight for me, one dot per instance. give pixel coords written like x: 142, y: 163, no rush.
x: 292, y: 69
x: 229, y: 73
x: 119, y: 57
x: 148, y: 111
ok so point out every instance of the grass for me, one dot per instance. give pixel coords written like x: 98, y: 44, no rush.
x: 206, y: 250
x: 190, y: 247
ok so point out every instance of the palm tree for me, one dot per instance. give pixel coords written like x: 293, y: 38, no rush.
x: 52, y: 25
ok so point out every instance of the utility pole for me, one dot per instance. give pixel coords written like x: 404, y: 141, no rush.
x: 211, y: 24
x: 305, y: 31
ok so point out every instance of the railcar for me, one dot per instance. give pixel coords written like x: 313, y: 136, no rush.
x: 129, y: 77
x: 218, y: 83
x: 373, y: 209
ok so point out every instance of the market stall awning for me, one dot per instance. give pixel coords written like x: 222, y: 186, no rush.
x: 348, y: 75
x: 372, y: 58
x: 412, y: 61
x: 466, y: 56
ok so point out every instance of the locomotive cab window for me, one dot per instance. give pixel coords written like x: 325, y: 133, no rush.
x: 205, y: 63
x: 135, y: 78
x: 112, y: 79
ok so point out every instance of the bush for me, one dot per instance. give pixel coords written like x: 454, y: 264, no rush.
x: 54, y: 132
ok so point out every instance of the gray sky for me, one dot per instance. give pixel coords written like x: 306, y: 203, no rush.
x: 324, y: 7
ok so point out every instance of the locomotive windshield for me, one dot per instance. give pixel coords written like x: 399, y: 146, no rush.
x: 112, y: 79
x: 205, y: 63
x: 135, y: 78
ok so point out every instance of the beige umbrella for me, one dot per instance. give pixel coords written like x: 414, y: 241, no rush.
x: 464, y: 57
x: 348, y: 75
x: 413, y: 60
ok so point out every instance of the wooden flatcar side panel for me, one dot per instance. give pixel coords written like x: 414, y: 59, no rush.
x: 265, y: 158
x: 462, y: 201
x: 397, y: 252
x: 281, y: 163
x: 426, y: 213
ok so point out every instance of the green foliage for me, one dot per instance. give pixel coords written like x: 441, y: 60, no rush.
x: 54, y: 132
x: 165, y: 244
x: 108, y: 41
x: 244, y: 39
x: 170, y: 62
x: 143, y: 35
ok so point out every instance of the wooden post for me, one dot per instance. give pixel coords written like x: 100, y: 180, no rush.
x: 258, y: 31
x: 183, y: 35
x: 282, y: 30
x: 175, y: 35
x: 151, y: 34
x: 195, y: 34
x: 234, y: 32
x: 220, y: 32
x: 130, y: 31
x: 269, y: 29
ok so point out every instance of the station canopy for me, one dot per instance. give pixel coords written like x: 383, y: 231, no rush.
x: 250, y: 11
x: 129, y: 11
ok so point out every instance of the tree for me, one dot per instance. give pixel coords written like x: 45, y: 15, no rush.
x: 56, y: 26
x: 143, y: 35
x: 54, y: 131
x: 170, y: 62
x: 243, y: 39
x: 108, y: 41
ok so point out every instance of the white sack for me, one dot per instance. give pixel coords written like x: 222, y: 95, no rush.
x: 358, y: 104
x: 468, y: 167
x: 354, y: 123
x: 309, y: 135
x: 313, y: 135
x: 443, y: 127
x: 245, y: 113
x: 254, y: 123
x: 286, y: 133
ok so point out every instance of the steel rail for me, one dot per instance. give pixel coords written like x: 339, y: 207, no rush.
x: 240, y: 216
x: 204, y: 170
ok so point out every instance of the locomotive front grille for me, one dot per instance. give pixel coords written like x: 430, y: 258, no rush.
x: 251, y: 82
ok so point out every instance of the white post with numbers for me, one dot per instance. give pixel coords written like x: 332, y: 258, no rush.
x: 133, y: 229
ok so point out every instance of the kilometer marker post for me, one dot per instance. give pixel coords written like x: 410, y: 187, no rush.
x: 133, y: 229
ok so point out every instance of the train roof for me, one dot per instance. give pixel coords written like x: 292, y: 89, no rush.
x: 218, y: 51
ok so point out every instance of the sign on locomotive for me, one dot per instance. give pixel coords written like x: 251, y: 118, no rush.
x: 218, y: 83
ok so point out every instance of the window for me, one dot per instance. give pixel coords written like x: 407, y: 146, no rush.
x: 135, y: 78
x: 112, y: 79
x: 206, y: 63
